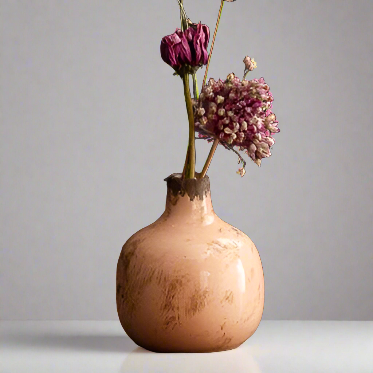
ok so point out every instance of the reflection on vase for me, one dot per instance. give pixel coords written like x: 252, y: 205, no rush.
x: 238, y: 360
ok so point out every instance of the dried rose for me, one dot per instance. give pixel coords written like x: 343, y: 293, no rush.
x: 186, y: 49
x: 198, y: 38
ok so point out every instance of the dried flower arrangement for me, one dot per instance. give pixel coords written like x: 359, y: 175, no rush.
x: 230, y: 112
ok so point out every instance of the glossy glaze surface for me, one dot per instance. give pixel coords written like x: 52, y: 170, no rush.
x: 189, y: 282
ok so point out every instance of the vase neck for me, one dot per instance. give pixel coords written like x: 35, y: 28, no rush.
x: 189, y: 199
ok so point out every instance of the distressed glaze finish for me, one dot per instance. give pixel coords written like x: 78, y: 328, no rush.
x: 189, y: 282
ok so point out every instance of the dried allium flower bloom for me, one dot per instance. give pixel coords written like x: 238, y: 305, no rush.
x: 238, y: 113
x: 186, y: 49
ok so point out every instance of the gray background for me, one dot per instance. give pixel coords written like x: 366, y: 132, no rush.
x: 92, y: 121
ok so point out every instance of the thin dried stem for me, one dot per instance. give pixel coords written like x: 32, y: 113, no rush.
x: 183, y: 16
x: 213, y: 41
x: 240, y: 159
x: 209, y: 158
x: 213, y: 148
x: 216, y: 141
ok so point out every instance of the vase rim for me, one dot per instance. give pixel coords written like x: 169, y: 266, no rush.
x: 193, y: 187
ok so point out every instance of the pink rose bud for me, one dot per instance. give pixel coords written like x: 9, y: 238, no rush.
x: 175, y: 50
x: 186, y: 48
x: 198, y: 38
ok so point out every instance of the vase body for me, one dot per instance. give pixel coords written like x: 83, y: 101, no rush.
x: 189, y: 282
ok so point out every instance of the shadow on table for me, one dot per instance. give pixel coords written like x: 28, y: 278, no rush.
x: 103, y: 343
x: 238, y: 360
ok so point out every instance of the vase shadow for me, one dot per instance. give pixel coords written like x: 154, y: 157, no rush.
x: 95, y: 342
x: 238, y: 360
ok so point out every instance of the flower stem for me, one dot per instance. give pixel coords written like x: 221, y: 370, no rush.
x: 209, y: 158
x: 196, y: 96
x: 183, y: 16
x: 195, y: 87
x: 216, y: 141
x: 245, y: 74
x: 190, y: 162
x: 186, y: 162
x: 213, y: 41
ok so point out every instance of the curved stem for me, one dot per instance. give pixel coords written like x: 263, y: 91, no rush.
x: 190, y: 162
x: 209, y: 158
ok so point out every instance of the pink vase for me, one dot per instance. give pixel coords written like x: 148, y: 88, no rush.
x: 189, y: 282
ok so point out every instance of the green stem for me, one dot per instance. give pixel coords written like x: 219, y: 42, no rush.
x: 195, y: 87
x: 191, y: 155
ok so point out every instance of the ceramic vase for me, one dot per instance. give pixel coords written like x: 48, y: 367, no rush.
x: 189, y: 282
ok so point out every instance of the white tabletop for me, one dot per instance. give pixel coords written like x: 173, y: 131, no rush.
x: 102, y: 346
